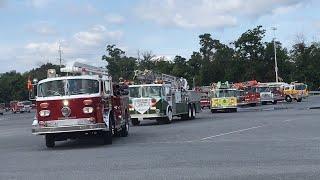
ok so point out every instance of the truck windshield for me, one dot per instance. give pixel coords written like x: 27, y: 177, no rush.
x: 134, y: 92
x: 145, y: 91
x: 82, y: 86
x: 224, y: 93
x: 68, y: 87
x: 51, y: 88
x: 300, y: 87
x: 263, y: 89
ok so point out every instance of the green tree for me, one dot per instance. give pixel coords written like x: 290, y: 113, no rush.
x: 119, y: 65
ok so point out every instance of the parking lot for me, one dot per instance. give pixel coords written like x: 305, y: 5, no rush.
x: 265, y: 142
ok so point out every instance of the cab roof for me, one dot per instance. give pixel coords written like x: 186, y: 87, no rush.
x: 93, y: 77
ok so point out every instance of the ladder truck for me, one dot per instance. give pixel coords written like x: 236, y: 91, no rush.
x: 160, y: 97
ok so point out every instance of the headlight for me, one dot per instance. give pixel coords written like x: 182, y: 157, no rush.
x: 44, y: 113
x: 65, y: 103
x: 87, y: 110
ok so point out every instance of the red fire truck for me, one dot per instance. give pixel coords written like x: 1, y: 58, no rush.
x: 251, y: 94
x: 16, y: 106
x: 84, y: 103
x: 205, y: 99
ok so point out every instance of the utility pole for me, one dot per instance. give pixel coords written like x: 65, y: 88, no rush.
x: 275, y: 53
x: 60, y: 58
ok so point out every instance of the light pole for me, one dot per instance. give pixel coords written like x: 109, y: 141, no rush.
x: 275, y: 53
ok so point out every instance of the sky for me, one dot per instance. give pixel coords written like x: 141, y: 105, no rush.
x: 32, y: 30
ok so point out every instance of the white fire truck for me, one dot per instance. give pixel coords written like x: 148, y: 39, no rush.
x: 161, y: 97
x: 84, y: 103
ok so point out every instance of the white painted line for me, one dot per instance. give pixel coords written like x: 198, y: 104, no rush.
x: 232, y: 132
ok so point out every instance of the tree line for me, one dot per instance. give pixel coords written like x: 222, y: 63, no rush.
x: 247, y: 58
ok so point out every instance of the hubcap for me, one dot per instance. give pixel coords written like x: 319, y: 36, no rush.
x: 190, y: 112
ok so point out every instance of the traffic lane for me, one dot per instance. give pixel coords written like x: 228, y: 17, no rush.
x: 288, y: 150
x: 16, y: 126
x: 180, y: 130
x: 32, y: 151
x: 252, y: 154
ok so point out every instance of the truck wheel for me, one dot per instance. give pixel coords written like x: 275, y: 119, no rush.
x: 189, y: 116
x: 253, y: 104
x: 135, y: 122
x: 274, y: 102
x: 169, y: 117
x: 263, y: 102
x: 50, y: 143
x: 194, y: 112
x: 213, y: 111
x: 299, y: 100
x: 125, y: 128
x: 106, y: 137
x: 288, y: 99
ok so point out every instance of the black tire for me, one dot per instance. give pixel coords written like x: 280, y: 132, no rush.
x: 135, y: 122
x: 106, y: 137
x: 214, y: 111
x: 253, y: 104
x: 194, y: 111
x: 125, y: 128
x: 169, y: 117
x: 50, y: 142
x: 288, y: 99
x: 1, y: 113
x: 299, y: 100
x: 274, y: 102
x: 264, y: 103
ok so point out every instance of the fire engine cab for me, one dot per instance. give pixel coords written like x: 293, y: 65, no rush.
x: 84, y: 103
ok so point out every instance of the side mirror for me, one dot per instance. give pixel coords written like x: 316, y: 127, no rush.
x: 33, y: 92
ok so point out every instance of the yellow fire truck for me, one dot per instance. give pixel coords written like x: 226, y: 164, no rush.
x: 223, y: 98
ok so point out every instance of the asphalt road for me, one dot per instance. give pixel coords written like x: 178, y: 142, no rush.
x: 265, y: 142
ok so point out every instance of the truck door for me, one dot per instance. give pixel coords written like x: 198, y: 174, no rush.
x: 169, y: 97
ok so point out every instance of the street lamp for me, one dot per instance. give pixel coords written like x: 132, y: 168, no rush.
x: 275, y: 53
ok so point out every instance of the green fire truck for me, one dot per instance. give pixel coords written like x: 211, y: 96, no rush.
x: 161, y: 97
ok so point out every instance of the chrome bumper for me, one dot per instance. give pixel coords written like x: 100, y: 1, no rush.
x: 267, y: 100
x: 146, y: 116
x: 41, y: 130
x: 224, y: 107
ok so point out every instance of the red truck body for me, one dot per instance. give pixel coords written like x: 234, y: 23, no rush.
x: 75, y: 106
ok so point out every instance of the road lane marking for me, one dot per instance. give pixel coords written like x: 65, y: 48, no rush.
x: 232, y: 132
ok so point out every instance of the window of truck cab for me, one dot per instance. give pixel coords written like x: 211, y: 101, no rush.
x: 107, y: 87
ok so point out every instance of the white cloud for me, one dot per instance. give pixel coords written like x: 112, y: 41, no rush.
x: 43, y: 28
x: 42, y: 48
x: 114, y: 19
x: 209, y: 13
x: 97, y: 35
